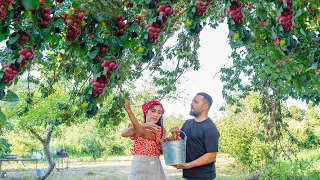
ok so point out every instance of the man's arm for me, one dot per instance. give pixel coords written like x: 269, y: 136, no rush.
x: 203, y: 160
x: 211, y: 137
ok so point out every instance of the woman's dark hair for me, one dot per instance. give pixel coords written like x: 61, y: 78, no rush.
x: 160, y: 121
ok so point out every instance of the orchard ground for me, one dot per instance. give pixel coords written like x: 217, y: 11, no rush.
x: 115, y: 168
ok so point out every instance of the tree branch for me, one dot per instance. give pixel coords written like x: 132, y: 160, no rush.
x: 111, y: 4
x: 37, y: 135
x: 49, y: 134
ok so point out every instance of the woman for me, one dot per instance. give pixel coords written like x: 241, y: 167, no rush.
x: 146, y: 148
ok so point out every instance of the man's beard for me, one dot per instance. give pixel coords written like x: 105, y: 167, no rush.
x: 194, y: 113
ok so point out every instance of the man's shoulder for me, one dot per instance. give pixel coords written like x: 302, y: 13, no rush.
x: 188, y: 121
x: 209, y: 124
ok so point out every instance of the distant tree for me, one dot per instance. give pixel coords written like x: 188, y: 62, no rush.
x: 297, y: 113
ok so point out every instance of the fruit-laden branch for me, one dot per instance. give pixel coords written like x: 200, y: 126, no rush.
x: 171, y: 29
x: 171, y: 32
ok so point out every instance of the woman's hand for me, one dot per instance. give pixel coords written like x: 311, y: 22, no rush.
x: 137, y: 127
x: 152, y: 126
x: 127, y: 105
x: 175, y: 131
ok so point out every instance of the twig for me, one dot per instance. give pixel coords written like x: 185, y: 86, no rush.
x: 111, y: 4
x: 170, y: 85
x: 72, y: 97
x: 216, y: 74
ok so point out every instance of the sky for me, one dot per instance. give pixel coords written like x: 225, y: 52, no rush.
x: 213, y: 55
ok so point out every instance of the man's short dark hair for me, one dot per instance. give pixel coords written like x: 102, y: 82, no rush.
x: 207, y: 98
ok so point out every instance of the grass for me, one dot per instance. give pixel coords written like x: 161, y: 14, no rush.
x: 118, y: 168
x: 89, y: 173
x: 309, y: 155
x: 304, y: 164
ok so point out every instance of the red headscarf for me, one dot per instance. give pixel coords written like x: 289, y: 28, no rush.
x: 148, y: 104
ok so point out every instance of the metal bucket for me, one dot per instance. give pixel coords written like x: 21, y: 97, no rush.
x: 174, y: 152
x: 40, y: 172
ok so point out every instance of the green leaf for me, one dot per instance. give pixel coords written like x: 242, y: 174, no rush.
x: 160, y: 16
x: 13, y: 39
x: 285, y: 3
x: 193, y: 9
x: 153, y: 20
x: 285, y: 125
x: 104, y: 72
x: 298, y: 13
x: 11, y: 96
x: 2, y: 37
x: 59, y: 120
x: 148, y: 1
x: 93, y: 54
x: 302, y: 32
x: 47, y: 37
x: 54, y: 38
x: 279, y: 11
x: 2, y: 119
x: 134, y: 43
x: 204, y: 23
x: 30, y: 4
x: 127, y: 44
x: 261, y: 137
x: 273, y: 33
x: 303, y: 78
x: 313, y: 66
x: 59, y: 23
x: 95, y: 76
x: 288, y: 77
x: 20, y: 59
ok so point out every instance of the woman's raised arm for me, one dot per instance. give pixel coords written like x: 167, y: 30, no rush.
x: 137, y: 127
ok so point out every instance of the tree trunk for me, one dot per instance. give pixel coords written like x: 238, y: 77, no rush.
x: 46, y: 149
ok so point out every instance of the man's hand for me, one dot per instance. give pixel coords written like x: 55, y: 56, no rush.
x: 152, y: 126
x: 183, y: 166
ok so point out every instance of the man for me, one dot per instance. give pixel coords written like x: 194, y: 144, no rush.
x: 202, y: 141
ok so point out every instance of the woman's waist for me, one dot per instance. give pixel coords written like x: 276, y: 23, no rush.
x: 146, y: 157
x: 136, y: 152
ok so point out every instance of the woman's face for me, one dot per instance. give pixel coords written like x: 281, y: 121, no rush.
x: 154, y: 114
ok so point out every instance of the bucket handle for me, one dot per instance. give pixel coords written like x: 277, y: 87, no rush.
x: 185, y: 137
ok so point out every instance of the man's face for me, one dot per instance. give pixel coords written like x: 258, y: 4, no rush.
x: 197, y: 106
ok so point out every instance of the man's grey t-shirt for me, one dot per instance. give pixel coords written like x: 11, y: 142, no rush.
x: 202, y: 138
